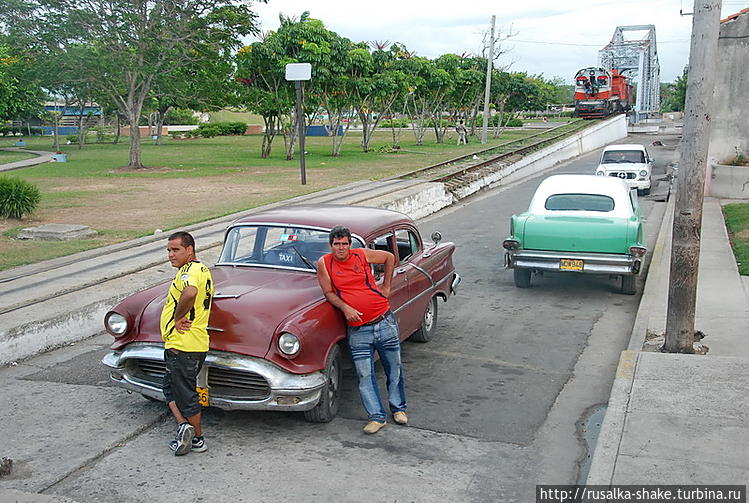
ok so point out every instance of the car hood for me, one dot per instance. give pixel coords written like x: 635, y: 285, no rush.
x: 248, y: 307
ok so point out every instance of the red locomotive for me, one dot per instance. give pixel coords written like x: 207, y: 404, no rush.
x: 599, y: 93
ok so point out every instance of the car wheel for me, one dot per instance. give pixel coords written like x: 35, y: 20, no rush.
x: 327, y: 408
x: 629, y: 284
x: 428, y: 323
x: 522, y: 277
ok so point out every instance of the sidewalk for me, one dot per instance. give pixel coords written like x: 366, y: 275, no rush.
x: 42, y: 157
x: 682, y: 419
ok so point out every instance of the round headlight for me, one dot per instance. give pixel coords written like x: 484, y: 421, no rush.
x: 644, y: 172
x: 599, y: 173
x: 289, y: 344
x: 116, y: 323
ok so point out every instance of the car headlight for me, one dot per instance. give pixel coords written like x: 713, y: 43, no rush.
x: 600, y: 173
x: 289, y: 344
x: 644, y: 172
x: 115, y: 323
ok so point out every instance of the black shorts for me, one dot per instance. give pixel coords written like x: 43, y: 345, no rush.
x: 180, y: 379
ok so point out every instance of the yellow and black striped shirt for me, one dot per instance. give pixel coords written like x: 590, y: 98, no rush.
x: 194, y: 340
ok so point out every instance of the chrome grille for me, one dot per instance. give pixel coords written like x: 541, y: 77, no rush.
x: 150, y: 371
x: 628, y: 174
x: 222, y: 382
x: 230, y: 383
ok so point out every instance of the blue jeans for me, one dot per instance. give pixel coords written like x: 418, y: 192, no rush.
x: 383, y: 338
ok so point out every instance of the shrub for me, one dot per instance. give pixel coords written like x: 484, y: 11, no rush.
x: 180, y: 117
x: 398, y: 123
x: 17, y: 197
x: 72, y: 138
x: 231, y: 128
x: 219, y: 129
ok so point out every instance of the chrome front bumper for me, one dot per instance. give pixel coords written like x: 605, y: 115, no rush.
x: 286, y: 391
x: 593, y: 263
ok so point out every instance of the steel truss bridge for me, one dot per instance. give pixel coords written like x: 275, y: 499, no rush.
x: 636, y: 58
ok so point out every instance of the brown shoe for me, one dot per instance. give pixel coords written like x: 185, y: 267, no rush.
x: 400, y: 417
x: 374, y: 427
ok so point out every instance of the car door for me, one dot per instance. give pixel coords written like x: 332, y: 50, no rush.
x: 399, y: 286
x: 413, y: 264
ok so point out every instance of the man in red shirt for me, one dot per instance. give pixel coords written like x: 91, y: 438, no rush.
x: 346, y: 279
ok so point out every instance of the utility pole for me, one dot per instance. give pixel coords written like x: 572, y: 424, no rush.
x: 488, y: 88
x: 687, y: 229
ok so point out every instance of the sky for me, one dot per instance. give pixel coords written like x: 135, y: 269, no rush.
x: 545, y: 37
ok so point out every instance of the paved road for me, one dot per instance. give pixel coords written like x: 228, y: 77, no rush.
x: 498, y: 400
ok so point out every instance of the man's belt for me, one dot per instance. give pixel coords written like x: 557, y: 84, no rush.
x: 378, y: 319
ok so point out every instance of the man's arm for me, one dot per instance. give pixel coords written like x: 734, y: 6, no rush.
x: 326, y: 284
x: 382, y: 257
x: 184, y: 305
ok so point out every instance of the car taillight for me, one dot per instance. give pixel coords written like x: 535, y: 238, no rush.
x: 510, y: 244
x: 637, y: 251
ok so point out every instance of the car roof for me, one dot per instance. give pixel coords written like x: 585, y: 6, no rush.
x: 614, y: 187
x: 360, y: 220
x: 625, y: 146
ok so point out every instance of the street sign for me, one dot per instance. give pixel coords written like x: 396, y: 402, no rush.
x: 298, y: 71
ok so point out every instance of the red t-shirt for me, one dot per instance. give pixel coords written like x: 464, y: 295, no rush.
x: 353, y: 282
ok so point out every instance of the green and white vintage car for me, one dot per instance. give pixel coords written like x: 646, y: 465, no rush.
x: 578, y: 224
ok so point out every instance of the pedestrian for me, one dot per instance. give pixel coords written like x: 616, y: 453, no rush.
x: 346, y: 279
x: 184, y: 328
x: 462, y: 133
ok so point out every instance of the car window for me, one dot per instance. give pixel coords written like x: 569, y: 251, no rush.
x: 579, y: 202
x: 633, y: 200
x: 384, y: 243
x: 623, y: 156
x: 274, y: 245
x: 407, y: 243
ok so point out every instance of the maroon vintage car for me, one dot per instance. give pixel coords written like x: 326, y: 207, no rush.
x: 276, y: 344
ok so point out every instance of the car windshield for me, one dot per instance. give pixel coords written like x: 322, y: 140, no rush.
x: 579, y: 202
x: 276, y: 246
x: 617, y: 156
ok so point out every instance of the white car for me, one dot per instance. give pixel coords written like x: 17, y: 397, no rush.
x: 630, y: 162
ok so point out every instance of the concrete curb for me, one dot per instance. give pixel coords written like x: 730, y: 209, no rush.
x: 603, y: 463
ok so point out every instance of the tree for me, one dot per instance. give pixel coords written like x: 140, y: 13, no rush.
x: 20, y: 94
x: 132, y: 42
x: 673, y: 96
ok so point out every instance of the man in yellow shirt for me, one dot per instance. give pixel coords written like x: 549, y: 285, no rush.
x: 184, y: 328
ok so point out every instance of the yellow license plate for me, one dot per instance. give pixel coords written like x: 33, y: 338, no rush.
x: 202, y: 396
x: 570, y: 264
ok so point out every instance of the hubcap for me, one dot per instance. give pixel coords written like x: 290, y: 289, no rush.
x: 333, y: 383
x: 429, y: 317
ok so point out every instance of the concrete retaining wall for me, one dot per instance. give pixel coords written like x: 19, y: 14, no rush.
x: 729, y: 182
x: 585, y: 141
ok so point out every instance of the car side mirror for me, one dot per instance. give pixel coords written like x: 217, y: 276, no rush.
x: 436, y: 237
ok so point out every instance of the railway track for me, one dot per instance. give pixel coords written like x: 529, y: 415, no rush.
x: 30, y: 285
x: 463, y: 170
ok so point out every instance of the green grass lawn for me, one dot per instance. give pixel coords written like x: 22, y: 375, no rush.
x: 7, y: 157
x: 216, y: 176
x: 737, y: 222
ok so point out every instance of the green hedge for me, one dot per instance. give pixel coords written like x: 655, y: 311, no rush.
x: 397, y: 123
x: 219, y: 129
